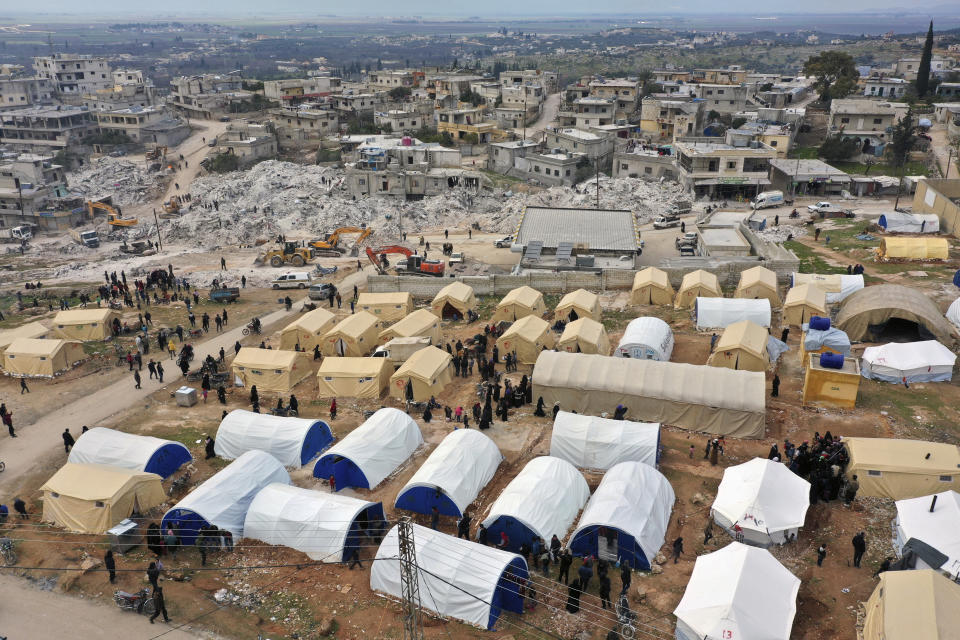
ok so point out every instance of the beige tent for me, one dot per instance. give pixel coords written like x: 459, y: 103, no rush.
x: 719, y: 401
x: 271, y: 369
x: 354, y: 336
x: 528, y: 337
x: 419, y: 324
x: 29, y: 330
x: 41, y: 358
x: 585, y: 335
x: 912, y: 605
x: 697, y: 284
x: 803, y: 302
x: 898, y: 469
x: 307, y: 330
x: 651, y: 286
x: 353, y: 377
x: 586, y: 304
x: 905, y: 248
x: 742, y: 345
x: 424, y: 374
x: 759, y: 282
x: 387, y: 307
x: 92, y: 498
x: 519, y: 303
x: 85, y: 324
x: 454, y: 300
x: 871, y: 307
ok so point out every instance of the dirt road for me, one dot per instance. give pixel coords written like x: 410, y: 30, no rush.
x: 941, y: 149
x: 550, y: 107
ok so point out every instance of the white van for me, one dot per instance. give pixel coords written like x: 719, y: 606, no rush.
x: 768, y: 199
x: 293, y: 281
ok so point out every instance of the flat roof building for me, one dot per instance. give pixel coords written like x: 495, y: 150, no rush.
x: 587, y: 230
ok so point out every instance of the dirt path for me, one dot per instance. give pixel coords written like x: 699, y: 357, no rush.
x: 550, y: 107
x: 63, y: 616
x: 941, y: 149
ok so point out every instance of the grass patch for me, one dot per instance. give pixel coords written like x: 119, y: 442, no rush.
x: 909, y: 169
x: 804, y: 153
x: 905, y: 404
x: 499, y: 180
x: 616, y: 320
x: 486, y: 306
x: 810, y: 260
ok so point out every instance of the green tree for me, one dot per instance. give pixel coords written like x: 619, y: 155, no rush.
x: 836, y: 148
x: 738, y: 122
x: 713, y: 116
x: 923, y: 71
x: 400, y: 93
x: 902, y: 139
x: 223, y: 162
x: 836, y: 74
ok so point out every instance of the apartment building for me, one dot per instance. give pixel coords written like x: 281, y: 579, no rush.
x: 249, y: 142
x: 386, y: 80
x: 25, y: 92
x: 880, y: 87
x: 303, y: 125
x: 593, y: 111
x: 597, y: 147
x: 131, y: 89
x: 552, y: 169
x: 358, y: 105
x: 624, y: 92
x: 463, y: 122
x: 731, y: 75
x: 907, y: 68
x: 400, y: 120
x: 666, y: 120
x: 451, y: 84
x: 74, y: 75
x: 867, y: 121
x: 546, y: 79
x: 27, y: 183
x: 489, y: 91
x: 404, y: 167
x: 722, y: 98
x: 642, y: 161
x: 143, y: 124
x: 45, y: 129
x: 297, y: 90
x: 719, y: 170
x: 502, y: 156
x: 206, y: 96
x: 777, y: 135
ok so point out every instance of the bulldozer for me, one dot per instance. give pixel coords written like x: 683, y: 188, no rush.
x: 330, y: 245
x: 156, y: 153
x: 172, y: 205
x: 287, y: 253
x: 113, y: 216
x: 413, y: 265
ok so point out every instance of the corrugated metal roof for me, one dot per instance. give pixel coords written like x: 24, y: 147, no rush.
x: 600, y: 229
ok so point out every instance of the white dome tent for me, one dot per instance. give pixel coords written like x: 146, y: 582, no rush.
x: 372, y: 451
x: 646, y: 338
x: 626, y: 518
x: 452, y: 476
x: 542, y: 500
x: 719, y: 313
x: 898, y: 362
x: 935, y: 525
x: 325, y: 526
x: 292, y: 441
x: 589, y: 442
x: 738, y: 592
x: 457, y: 578
x: 953, y: 313
x: 761, y: 502
x: 128, y: 451
x: 224, y: 497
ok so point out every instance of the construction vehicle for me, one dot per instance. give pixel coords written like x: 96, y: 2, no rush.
x: 329, y: 246
x: 113, y: 216
x: 16, y: 234
x: 288, y: 253
x: 87, y: 237
x: 138, y: 248
x: 414, y: 265
x: 172, y: 205
x: 156, y: 153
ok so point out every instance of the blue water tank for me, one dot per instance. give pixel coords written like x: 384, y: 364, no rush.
x: 819, y: 323
x: 830, y: 360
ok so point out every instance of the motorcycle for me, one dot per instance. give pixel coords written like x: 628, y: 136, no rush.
x: 251, y: 328
x: 141, y: 602
x: 794, y: 214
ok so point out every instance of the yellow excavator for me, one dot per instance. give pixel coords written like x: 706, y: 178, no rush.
x: 113, y: 216
x: 330, y: 245
x: 156, y: 153
x: 172, y: 205
x: 287, y: 253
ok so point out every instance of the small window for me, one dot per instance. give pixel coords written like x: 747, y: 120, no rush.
x: 731, y: 165
x: 99, y: 505
x: 54, y: 494
x: 42, y: 358
x: 278, y: 371
x: 256, y: 372
x: 877, y: 120
x: 875, y: 474
x: 719, y: 92
x: 946, y: 478
x: 773, y: 143
x: 327, y: 378
x: 844, y: 120
x: 647, y: 170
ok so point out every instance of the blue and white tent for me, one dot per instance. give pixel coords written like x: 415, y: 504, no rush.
x: 128, y: 451
x: 292, y: 441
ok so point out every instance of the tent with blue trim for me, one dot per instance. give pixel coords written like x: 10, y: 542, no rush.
x: 626, y: 518
x: 128, y: 451
x: 452, y: 476
x: 292, y: 441
x: 223, y: 499
x: 457, y: 578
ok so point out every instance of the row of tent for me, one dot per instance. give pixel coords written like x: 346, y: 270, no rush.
x: 31, y: 350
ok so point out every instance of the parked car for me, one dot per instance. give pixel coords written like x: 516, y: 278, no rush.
x: 321, y: 291
x: 503, y: 243
x: 293, y: 280
x: 455, y: 258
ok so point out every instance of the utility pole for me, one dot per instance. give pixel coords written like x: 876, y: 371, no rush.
x: 409, y: 588
x: 949, y: 160
x: 598, y: 183
x: 157, y: 220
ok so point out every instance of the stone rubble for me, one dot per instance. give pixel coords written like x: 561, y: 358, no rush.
x: 125, y: 181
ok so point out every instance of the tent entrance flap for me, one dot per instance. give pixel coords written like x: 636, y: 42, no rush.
x: 361, y: 527
x: 507, y: 596
x: 611, y: 544
x: 344, y: 471
x: 899, y: 330
x: 423, y: 499
x: 188, y: 524
x: 167, y: 459
x: 318, y: 438
x: 516, y: 531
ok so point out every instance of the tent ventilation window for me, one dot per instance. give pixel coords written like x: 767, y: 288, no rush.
x: 946, y: 478
x: 875, y: 473
x: 54, y: 494
x: 328, y: 378
x: 278, y: 371
x: 11, y: 356
x: 92, y: 324
x: 240, y: 369
x: 256, y: 372
x: 99, y: 504
x: 43, y: 358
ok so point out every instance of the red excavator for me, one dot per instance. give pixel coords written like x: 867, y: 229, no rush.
x: 415, y: 265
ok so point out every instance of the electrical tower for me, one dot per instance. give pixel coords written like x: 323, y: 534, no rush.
x: 409, y: 588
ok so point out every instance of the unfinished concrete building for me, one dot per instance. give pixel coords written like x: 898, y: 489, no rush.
x: 668, y: 120
x: 294, y: 91
x: 719, y: 170
x: 44, y: 129
x: 207, y: 96
x: 142, y: 124
x: 25, y: 92
x: 405, y: 168
x: 304, y: 125
x: 74, y: 75
x: 597, y: 147
x: 249, y: 142
x: 27, y: 184
x: 465, y: 123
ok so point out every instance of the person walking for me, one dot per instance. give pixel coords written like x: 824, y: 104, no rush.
x: 223, y: 263
x: 159, y: 606
x: 708, y: 532
x: 152, y: 368
x: 354, y: 558
x: 566, y: 560
x: 160, y: 371
x: 68, y: 440
x: 604, y: 591
x: 333, y: 408
x: 136, y: 378
x: 434, y: 518
x: 859, y: 548
x: 626, y: 577
x: 8, y: 420
x: 821, y: 554
x: 23, y: 386
x: 208, y: 448
x: 775, y: 386
x: 463, y: 526
x: 677, y: 549
x: 110, y: 565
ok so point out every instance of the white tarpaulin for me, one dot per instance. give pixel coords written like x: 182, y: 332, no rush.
x: 224, y: 497
x: 953, y: 313
x: 836, y: 285
x: 456, y: 578
x: 926, y: 361
x: 764, y: 499
x: 937, y: 528
x: 738, y: 592
x: 834, y: 339
x: 461, y: 465
x: 909, y: 222
x: 317, y: 523
x: 283, y: 438
x: 376, y: 448
x: 590, y: 442
x: 647, y: 338
x: 128, y: 451
x: 718, y: 313
x: 545, y: 497
x: 634, y: 498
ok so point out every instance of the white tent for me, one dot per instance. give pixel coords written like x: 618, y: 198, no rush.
x: 647, y: 338
x: 738, y: 592
x: 764, y: 499
x: 926, y: 361
x: 224, y: 497
x: 372, y: 451
x: 452, y: 476
x: 292, y: 441
x: 953, y: 313
x: 542, y: 500
x: 590, y: 442
x: 937, y: 529
x: 909, y: 222
x: 836, y: 285
x: 320, y: 524
x: 634, y: 502
x: 718, y: 313
x: 128, y: 451
x: 457, y: 578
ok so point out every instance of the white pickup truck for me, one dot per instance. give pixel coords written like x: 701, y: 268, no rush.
x: 399, y: 349
x: 828, y: 209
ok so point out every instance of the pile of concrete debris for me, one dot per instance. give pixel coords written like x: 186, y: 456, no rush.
x: 124, y: 181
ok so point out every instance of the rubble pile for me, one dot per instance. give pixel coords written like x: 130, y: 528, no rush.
x: 781, y: 233
x: 125, y: 181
